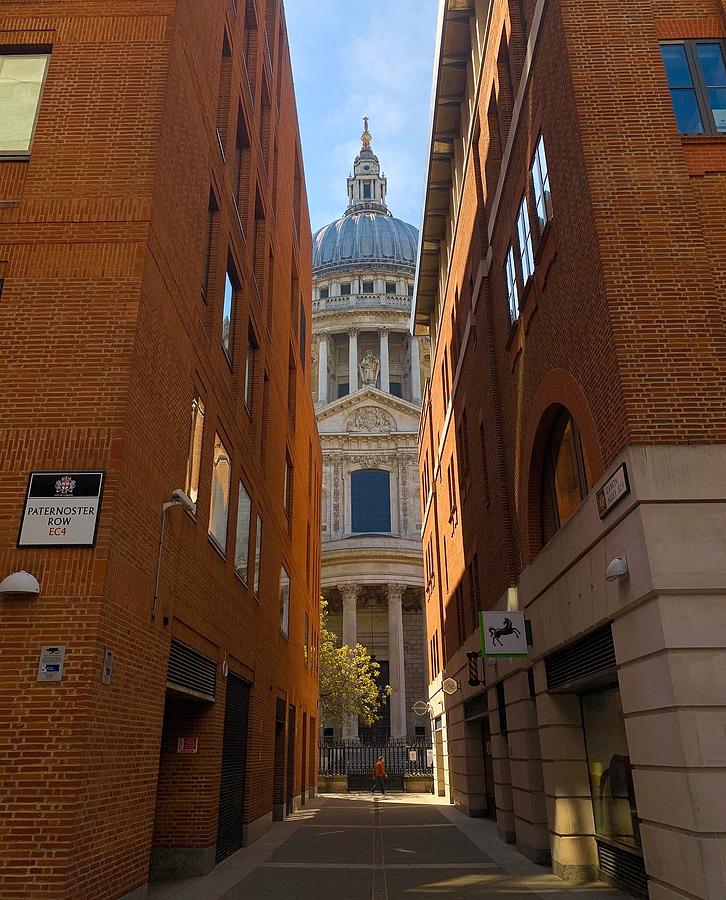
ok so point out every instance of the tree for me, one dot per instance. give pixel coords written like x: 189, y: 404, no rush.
x: 348, y: 675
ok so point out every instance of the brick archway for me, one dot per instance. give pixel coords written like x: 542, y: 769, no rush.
x: 558, y: 389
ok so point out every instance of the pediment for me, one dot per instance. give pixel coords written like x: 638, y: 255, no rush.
x: 369, y: 411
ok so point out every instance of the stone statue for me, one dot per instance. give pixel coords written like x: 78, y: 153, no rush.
x: 368, y: 368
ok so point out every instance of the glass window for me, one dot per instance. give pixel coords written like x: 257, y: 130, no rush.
x: 324, y: 293
x: 219, y: 501
x: 284, y: 601
x: 250, y: 370
x: 258, y: 556
x: 343, y: 389
x: 366, y: 190
x: 345, y: 289
x: 541, y: 184
x: 370, y: 500
x: 367, y: 287
x: 510, y: 275
x: 608, y: 763
x: 696, y: 76
x: 564, y: 481
x: 396, y: 389
x: 194, y: 457
x: 227, y: 315
x: 242, y: 538
x: 390, y: 287
x: 288, y: 487
x: 410, y: 290
x: 21, y: 86
x: 525, y: 241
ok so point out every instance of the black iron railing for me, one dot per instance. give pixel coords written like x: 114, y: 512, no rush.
x: 401, y: 757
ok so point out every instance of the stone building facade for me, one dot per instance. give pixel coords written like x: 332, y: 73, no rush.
x: 573, y: 457
x: 367, y: 376
x: 155, y: 279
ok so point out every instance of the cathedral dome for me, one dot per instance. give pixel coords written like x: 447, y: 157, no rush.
x: 364, y: 238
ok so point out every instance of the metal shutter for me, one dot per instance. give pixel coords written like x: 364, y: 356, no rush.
x: 191, y: 671
x: 623, y: 869
x: 230, y: 822
x: 586, y: 660
x: 476, y: 707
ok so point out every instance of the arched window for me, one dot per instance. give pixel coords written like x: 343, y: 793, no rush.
x: 370, y: 491
x: 564, y: 475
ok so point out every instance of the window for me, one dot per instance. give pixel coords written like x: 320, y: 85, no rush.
x: 284, y: 601
x: 396, y: 388
x: 370, y: 500
x: 367, y: 287
x: 484, y: 465
x: 463, y: 445
x: 219, y: 501
x: 242, y: 538
x: 343, y: 389
x: 525, y: 241
x: 345, y: 289
x: 225, y: 89
x: 228, y: 314
x: 252, y: 347
x: 390, y: 287
x: 366, y: 190
x: 303, y: 338
x: 541, y: 184
x: 697, y: 80
x: 191, y: 483
x: 21, y: 86
x: 564, y: 478
x: 306, y: 644
x: 510, y: 275
x: 419, y: 731
x: 445, y: 378
x: 410, y: 290
x: 241, y: 174
x: 212, y: 211
x: 324, y: 293
x: 287, y: 494
x: 258, y: 556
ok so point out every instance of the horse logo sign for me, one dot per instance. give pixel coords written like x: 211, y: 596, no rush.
x: 503, y: 633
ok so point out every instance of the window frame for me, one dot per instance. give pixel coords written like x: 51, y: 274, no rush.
x: 257, y: 557
x: 549, y: 504
x: 700, y: 88
x: 228, y: 347
x: 355, y: 519
x: 221, y: 545
x: 250, y: 365
x: 42, y: 51
x: 284, y: 602
x: 243, y: 572
x: 512, y: 287
x: 524, y: 233
x: 194, y: 454
x: 541, y: 190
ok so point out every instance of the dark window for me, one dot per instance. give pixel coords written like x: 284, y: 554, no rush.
x: 697, y: 81
x: 396, y: 389
x: 564, y: 478
x: 410, y: 290
x: 343, y: 388
x: 212, y: 211
x: 390, y: 287
x: 225, y: 88
x: 241, y: 174
x: 345, y: 289
x: 367, y: 287
x: 370, y: 500
x: 366, y: 190
x: 324, y: 293
x: 419, y: 731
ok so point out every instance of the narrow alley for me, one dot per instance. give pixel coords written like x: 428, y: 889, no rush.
x: 357, y: 848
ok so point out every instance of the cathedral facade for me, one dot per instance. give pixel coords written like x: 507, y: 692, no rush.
x: 368, y: 376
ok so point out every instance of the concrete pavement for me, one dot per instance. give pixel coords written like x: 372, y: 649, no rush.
x: 353, y: 847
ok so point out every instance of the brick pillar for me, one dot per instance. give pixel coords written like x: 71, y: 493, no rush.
x: 566, y: 783
x: 525, y: 761
x: 502, y: 771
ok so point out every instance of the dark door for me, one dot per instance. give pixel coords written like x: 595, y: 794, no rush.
x: 303, y: 768
x: 486, y: 746
x: 380, y: 731
x: 290, y: 759
x: 230, y: 825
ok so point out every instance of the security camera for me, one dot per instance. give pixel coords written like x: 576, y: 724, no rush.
x: 184, y: 500
x: 617, y: 568
x: 19, y: 586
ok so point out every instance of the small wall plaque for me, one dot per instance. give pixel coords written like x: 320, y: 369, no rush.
x: 50, y: 666
x: 613, y: 491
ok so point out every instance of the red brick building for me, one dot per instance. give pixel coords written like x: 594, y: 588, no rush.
x: 155, y: 278
x: 572, y: 448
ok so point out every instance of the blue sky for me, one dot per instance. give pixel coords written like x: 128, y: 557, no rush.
x: 350, y: 59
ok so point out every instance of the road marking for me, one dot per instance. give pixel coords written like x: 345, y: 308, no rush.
x: 382, y: 866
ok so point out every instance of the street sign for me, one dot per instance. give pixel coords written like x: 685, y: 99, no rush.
x: 503, y: 633
x: 412, y: 756
x: 50, y: 665
x: 61, y: 509
x: 613, y: 491
x: 420, y: 707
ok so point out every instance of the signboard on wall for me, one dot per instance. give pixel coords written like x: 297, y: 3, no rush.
x: 503, y: 633
x: 61, y: 509
x: 613, y: 491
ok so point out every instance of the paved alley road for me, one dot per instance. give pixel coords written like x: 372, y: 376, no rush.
x: 350, y: 847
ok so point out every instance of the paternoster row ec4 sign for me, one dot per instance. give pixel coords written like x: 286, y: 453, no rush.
x: 61, y: 509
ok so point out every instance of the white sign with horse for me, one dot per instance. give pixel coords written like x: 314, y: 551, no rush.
x: 503, y: 633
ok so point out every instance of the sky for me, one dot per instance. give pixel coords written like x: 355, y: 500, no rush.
x: 352, y: 59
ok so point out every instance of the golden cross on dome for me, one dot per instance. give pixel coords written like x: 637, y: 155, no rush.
x: 366, y: 137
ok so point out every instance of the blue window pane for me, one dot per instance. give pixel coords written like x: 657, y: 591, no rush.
x: 712, y: 63
x: 687, y: 113
x: 370, y: 500
x: 676, y: 65
x: 343, y: 389
x: 227, y: 313
x: 717, y: 96
x: 396, y: 389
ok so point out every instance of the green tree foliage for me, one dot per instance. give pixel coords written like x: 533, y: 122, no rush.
x: 348, y: 678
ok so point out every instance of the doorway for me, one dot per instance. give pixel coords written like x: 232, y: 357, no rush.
x: 230, y: 822
x: 486, y: 747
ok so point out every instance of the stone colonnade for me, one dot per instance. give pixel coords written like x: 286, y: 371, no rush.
x: 396, y: 656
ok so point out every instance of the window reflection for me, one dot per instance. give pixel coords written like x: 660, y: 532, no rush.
x: 564, y: 476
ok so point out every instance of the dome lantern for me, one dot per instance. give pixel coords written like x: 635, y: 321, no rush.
x: 366, y: 186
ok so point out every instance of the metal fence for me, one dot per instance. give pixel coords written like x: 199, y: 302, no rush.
x: 401, y: 757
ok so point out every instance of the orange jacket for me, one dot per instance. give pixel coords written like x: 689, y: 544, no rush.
x: 379, y: 770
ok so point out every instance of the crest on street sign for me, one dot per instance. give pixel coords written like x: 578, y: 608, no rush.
x: 503, y: 633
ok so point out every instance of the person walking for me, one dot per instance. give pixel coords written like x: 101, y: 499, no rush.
x: 379, y: 775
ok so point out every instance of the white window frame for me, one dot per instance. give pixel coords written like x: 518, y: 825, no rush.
x: 524, y: 232
x: 510, y: 276
x: 242, y: 533
x: 258, y: 557
x: 284, y: 601
x: 541, y: 184
x: 24, y: 153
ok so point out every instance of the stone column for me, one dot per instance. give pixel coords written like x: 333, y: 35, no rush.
x: 353, y: 360
x: 396, y: 667
x: 349, y: 593
x: 385, y: 364
x: 415, y: 370
x: 323, y: 369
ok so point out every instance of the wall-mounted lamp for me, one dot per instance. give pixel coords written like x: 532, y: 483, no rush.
x: 617, y: 568
x: 19, y: 586
x: 178, y: 498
